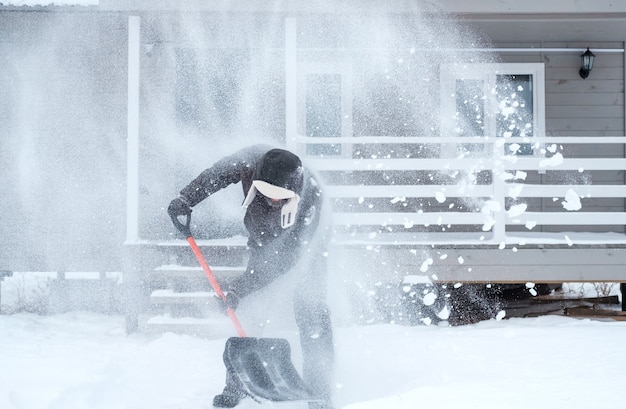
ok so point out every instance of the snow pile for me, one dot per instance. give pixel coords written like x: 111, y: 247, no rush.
x: 82, y: 360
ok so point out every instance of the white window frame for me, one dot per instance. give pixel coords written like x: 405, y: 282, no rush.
x: 488, y: 73
x: 344, y: 70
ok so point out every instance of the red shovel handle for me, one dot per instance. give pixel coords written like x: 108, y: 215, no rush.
x: 185, y: 229
x: 216, y: 286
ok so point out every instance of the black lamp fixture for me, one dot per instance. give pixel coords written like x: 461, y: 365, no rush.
x: 586, y: 63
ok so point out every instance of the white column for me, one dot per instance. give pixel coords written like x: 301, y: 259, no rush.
x: 291, y: 84
x: 132, y: 165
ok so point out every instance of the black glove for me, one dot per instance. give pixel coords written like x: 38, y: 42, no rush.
x: 232, y: 301
x: 179, y: 207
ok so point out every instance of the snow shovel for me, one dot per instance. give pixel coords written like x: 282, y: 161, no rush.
x: 262, y: 365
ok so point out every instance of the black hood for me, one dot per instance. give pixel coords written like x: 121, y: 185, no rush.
x: 281, y: 168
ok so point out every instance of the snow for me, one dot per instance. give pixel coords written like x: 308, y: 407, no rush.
x: 572, y: 201
x: 85, y: 360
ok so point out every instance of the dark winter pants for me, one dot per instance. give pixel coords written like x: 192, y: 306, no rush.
x: 312, y: 315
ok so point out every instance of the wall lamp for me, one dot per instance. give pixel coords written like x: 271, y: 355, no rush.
x: 586, y: 63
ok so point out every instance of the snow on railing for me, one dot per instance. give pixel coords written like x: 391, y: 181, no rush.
x: 490, y: 187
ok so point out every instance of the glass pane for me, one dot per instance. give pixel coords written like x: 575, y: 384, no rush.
x: 323, y: 111
x: 470, y: 111
x: 515, y: 111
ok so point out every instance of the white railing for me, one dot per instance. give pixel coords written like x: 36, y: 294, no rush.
x: 495, y: 205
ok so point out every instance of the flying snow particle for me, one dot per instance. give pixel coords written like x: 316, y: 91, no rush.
x: 500, y: 315
x: 429, y: 299
x: 531, y: 224
x: 490, y: 206
x: 514, y: 147
x: 517, y: 210
x: 568, y: 240
x: 572, y: 201
x: 426, y: 264
x: 515, y: 191
x: 520, y: 174
x: 440, y: 196
x: 554, y: 161
x: 489, y: 222
x: 461, y: 260
x: 444, y: 314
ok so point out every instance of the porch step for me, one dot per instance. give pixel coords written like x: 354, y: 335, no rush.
x: 183, y: 279
x: 172, y: 297
x: 215, y: 327
x: 178, y: 271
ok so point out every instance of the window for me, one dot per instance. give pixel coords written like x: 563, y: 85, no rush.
x: 502, y: 100
x: 323, y: 111
x: 325, y: 93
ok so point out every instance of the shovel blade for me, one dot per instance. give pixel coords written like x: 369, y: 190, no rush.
x: 264, y: 368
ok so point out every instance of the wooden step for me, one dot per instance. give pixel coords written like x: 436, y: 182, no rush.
x: 217, y: 327
x: 178, y: 271
x: 172, y: 297
x: 596, y: 313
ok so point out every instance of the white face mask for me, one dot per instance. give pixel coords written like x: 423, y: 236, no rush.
x: 289, y: 208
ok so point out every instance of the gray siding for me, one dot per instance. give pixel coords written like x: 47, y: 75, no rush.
x: 63, y: 113
x: 581, y: 107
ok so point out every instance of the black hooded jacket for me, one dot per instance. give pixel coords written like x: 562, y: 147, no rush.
x: 274, y: 249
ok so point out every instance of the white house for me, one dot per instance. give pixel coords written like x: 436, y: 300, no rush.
x: 460, y: 127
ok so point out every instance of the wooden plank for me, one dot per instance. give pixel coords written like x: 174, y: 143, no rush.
x: 523, y: 257
x: 408, y: 219
x: 193, y: 298
x: 567, y: 61
x: 581, y: 86
x: 534, y: 273
x: 524, y: 163
x: 570, y: 218
x: 393, y: 191
x: 176, y: 271
x: 597, y: 313
x: 471, y: 164
x: 595, y: 99
x: 484, y: 264
x: 571, y: 72
x: 420, y: 140
x: 591, y: 125
x: 218, y: 327
x: 478, y: 191
x: 585, y: 111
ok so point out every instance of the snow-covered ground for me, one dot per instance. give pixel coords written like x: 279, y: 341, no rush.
x: 81, y: 360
